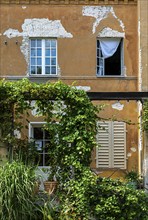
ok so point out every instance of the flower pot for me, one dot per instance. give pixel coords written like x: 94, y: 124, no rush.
x: 50, y: 186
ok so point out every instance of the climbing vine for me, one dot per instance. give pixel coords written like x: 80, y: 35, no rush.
x: 69, y: 115
x: 71, y: 120
x: 145, y: 116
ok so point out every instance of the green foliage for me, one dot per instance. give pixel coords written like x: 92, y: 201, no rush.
x: 145, y: 116
x: 111, y: 199
x: 16, y: 192
x: 91, y: 197
x: 70, y: 116
x: 71, y: 120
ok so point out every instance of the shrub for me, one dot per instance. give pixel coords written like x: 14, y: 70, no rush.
x: 112, y: 199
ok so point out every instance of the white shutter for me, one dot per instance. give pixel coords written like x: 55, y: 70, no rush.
x: 111, y: 138
x: 103, y: 140
x: 119, y: 145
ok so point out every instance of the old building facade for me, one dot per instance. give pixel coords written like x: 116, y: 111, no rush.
x: 92, y: 42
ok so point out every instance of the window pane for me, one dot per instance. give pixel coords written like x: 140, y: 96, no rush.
x: 47, y: 61
x: 39, y: 52
x: 53, y: 52
x: 39, y: 70
x: 47, y: 143
x: 39, y: 44
x: 53, y: 61
x: 32, y: 69
x: 33, y: 43
x: 47, y: 53
x: 33, y: 52
x: 38, y: 133
x: 47, y: 70
x: 39, y: 61
x: 53, y: 43
x: 47, y: 160
x: 53, y: 70
x: 33, y: 61
x: 47, y: 43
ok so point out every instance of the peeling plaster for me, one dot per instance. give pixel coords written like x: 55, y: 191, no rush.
x: 17, y: 134
x: 37, y: 28
x: 129, y: 154
x: 118, y: 106
x: 24, y: 7
x: 34, y: 111
x: 133, y: 149
x: 100, y: 13
x: 85, y: 88
x: 108, y: 32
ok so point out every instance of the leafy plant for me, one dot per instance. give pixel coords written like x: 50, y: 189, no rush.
x: 145, y: 116
x: 17, y: 191
x: 132, y: 176
x: 112, y: 199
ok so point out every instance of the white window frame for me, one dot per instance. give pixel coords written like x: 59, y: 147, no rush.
x: 43, y: 57
x: 31, y: 137
x: 102, y: 61
x: 111, y: 152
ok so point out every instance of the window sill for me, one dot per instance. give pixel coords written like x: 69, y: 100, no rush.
x: 43, y: 76
x: 117, y: 77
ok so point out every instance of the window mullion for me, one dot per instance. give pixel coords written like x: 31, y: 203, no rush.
x: 43, y: 56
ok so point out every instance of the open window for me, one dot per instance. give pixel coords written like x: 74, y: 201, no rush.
x: 109, y: 56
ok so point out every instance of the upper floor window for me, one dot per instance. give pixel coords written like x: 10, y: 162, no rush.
x: 43, y: 57
x: 109, y: 56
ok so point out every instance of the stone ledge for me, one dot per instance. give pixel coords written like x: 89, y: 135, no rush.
x: 69, y: 2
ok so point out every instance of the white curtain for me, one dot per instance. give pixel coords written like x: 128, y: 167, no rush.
x: 109, y: 46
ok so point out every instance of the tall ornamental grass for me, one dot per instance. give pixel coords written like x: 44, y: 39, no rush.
x: 17, y: 192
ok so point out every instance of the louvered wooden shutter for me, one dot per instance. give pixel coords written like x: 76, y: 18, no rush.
x: 112, y: 150
x: 119, y: 145
x: 103, y: 139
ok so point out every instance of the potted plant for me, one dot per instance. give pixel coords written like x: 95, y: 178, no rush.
x: 132, y: 178
x: 51, y: 183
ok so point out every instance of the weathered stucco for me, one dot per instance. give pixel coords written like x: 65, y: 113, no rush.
x: 37, y: 28
x: 100, y: 13
x: 76, y: 28
x: 108, y: 32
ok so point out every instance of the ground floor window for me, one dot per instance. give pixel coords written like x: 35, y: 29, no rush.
x: 42, y: 140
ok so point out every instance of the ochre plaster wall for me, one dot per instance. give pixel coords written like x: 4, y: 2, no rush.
x: 129, y: 112
x: 77, y: 55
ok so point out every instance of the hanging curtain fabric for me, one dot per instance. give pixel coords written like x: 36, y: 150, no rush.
x: 109, y: 46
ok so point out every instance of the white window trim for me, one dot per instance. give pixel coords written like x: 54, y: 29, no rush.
x: 103, y: 59
x: 30, y: 134
x: 43, y: 58
x: 109, y: 157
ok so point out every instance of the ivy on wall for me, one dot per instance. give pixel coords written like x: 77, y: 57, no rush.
x: 145, y: 116
x: 70, y: 116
